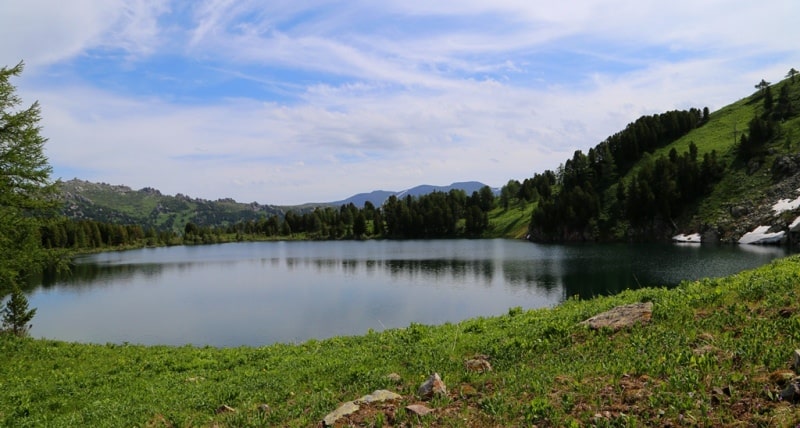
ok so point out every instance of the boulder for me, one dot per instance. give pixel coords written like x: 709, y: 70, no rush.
x: 738, y: 211
x: 791, y: 393
x: 394, y: 377
x: 478, y: 364
x: 419, y: 409
x: 380, y: 395
x: 432, y: 386
x: 785, y: 166
x: 345, y: 409
x: 621, y: 317
x: 351, y: 407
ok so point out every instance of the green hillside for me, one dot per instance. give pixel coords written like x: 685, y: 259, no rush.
x: 149, y: 208
x: 683, y: 172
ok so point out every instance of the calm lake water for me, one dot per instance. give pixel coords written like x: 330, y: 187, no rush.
x: 261, y: 293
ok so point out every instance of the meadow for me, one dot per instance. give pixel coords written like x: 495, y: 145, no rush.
x: 715, y: 353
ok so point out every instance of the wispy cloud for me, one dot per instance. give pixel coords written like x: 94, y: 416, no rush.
x: 294, y: 101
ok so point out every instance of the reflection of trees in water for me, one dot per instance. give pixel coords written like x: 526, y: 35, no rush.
x: 437, y: 269
x: 90, y: 275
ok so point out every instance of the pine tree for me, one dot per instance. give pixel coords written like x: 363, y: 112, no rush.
x: 25, y: 187
x: 16, y: 315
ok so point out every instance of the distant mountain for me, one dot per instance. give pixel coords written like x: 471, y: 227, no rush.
x: 378, y: 197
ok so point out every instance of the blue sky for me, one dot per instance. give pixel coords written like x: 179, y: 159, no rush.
x: 286, y: 102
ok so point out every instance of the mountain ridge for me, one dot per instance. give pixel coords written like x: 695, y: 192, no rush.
x: 378, y: 197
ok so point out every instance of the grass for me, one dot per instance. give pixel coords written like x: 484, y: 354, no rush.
x: 713, y: 355
x: 511, y: 222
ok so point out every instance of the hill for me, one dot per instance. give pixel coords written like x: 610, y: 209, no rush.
x: 716, y: 175
x: 149, y: 208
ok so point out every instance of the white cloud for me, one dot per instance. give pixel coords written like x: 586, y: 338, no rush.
x: 393, y: 94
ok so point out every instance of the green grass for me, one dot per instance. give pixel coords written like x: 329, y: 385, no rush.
x: 705, y: 359
x: 510, y: 223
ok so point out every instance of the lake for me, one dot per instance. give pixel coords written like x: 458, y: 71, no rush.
x: 266, y: 292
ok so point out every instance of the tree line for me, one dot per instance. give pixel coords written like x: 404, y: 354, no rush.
x: 435, y: 215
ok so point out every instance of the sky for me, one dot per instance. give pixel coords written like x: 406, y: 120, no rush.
x: 287, y: 102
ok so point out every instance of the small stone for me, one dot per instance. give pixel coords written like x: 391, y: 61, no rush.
x: 478, y: 364
x: 379, y: 396
x: 419, y: 409
x: 780, y: 377
x: 432, y: 386
x: 468, y: 391
x: 225, y: 409
x: 394, y: 377
x: 345, y: 409
x: 264, y: 408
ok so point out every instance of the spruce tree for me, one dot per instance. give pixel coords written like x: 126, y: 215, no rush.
x: 16, y: 315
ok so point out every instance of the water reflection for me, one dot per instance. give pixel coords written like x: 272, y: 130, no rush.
x: 258, y: 293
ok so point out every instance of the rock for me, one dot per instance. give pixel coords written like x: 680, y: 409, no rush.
x: 780, y: 377
x: 478, y: 364
x: 785, y: 166
x: 739, y: 211
x: 378, y: 396
x: 351, y: 407
x: 345, y: 409
x: 467, y: 391
x: 621, y: 316
x: 796, y: 361
x: 419, y: 409
x: 394, y: 377
x: 264, y: 408
x: 225, y: 409
x: 710, y: 235
x: 432, y: 386
x: 791, y: 393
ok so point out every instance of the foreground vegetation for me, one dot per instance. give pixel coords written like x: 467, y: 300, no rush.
x: 715, y: 353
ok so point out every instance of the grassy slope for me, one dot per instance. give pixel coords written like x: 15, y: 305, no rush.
x: 710, y: 356
x: 510, y: 223
x: 737, y: 185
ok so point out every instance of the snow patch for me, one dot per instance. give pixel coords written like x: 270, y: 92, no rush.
x: 784, y: 205
x: 760, y: 235
x: 795, y: 226
x: 695, y: 237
